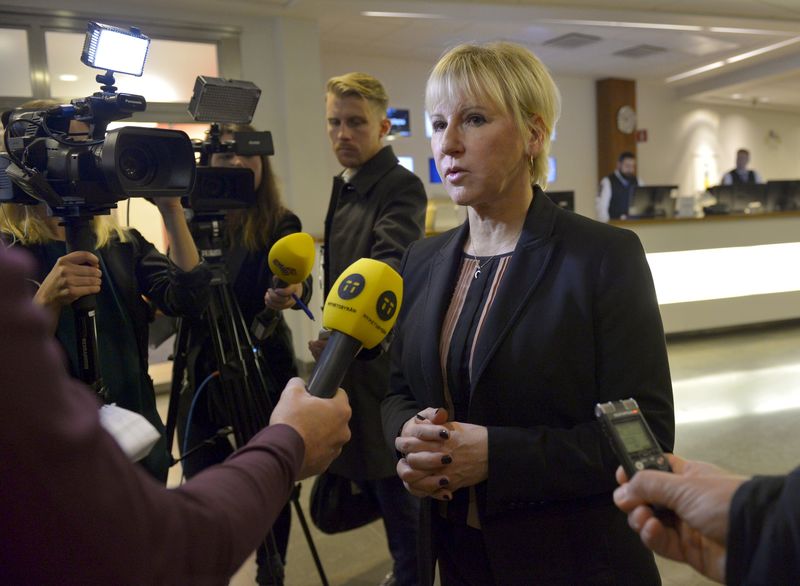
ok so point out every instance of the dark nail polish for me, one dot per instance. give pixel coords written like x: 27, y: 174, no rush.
x: 447, y: 497
x: 443, y: 482
x: 419, y: 417
x: 436, y: 410
x: 446, y: 460
x: 444, y: 434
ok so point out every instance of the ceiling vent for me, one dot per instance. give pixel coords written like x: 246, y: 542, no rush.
x: 640, y: 51
x: 572, y: 41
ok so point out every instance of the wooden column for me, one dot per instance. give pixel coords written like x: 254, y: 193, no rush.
x: 612, y: 135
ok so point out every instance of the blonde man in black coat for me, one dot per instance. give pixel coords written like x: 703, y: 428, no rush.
x: 377, y: 208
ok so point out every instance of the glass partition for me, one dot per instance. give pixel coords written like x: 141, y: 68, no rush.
x: 15, y: 63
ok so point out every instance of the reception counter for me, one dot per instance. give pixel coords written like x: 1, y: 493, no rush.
x: 723, y: 271
x: 714, y: 272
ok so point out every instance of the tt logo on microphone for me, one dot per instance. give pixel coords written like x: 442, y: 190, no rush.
x: 351, y: 286
x: 387, y: 305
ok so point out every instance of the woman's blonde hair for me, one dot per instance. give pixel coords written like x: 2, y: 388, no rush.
x: 253, y: 228
x: 27, y: 223
x: 511, y: 78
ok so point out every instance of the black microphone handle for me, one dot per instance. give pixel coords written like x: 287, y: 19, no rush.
x: 264, y: 323
x: 339, y: 352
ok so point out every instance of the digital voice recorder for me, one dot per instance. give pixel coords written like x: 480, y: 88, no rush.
x: 630, y: 436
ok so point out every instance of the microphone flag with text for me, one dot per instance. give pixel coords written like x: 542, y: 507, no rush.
x: 361, y: 309
x: 291, y: 259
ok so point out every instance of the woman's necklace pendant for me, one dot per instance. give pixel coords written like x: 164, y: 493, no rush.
x: 477, y: 272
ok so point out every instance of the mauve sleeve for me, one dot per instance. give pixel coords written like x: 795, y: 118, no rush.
x: 74, y: 510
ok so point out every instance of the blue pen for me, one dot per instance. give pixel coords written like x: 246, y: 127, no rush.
x: 303, y: 306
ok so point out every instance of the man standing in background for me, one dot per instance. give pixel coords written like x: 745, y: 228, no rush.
x: 741, y: 174
x: 377, y: 208
x: 616, y: 189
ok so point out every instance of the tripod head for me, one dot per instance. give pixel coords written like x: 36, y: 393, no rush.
x: 210, y: 236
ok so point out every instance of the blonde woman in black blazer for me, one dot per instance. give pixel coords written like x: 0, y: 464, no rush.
x: 513, y: 327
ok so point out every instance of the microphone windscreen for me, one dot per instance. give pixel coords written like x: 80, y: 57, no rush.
x: 292, y: 257
x: 364, y: 301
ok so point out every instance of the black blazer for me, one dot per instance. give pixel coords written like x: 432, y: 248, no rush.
x: 575, y: 322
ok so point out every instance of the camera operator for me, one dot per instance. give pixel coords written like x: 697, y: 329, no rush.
x: 250, y: 235
x: 730, y: 528
x: 74, y: 510
x: 125, y: 267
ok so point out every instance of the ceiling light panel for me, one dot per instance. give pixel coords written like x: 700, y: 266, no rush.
x: 696, y: 71
x: 624, y: 24
x: 421, y: 15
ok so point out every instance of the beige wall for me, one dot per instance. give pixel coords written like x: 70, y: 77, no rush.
x: 686, y: 140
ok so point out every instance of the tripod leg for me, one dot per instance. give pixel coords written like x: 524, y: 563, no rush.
x: 270, y: 567
x: 178, y: 370
x: 244, y: 388
x: 307, y: 532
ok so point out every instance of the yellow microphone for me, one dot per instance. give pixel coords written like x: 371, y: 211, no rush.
x: 361, y: 309
x: 290, y: 259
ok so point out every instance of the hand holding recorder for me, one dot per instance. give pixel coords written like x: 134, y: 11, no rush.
x: 700, y: 496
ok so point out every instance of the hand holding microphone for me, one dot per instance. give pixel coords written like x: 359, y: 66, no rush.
x: 360, y: 310
x: 290, y: 259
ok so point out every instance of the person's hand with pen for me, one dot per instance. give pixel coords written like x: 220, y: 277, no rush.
x: 283, y: 296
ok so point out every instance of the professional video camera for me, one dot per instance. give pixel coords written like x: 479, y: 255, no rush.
x: 79, y: 179
x: 87, y: 177
x: 225, y: 101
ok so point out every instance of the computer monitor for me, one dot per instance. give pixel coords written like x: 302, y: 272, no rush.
x: 782, y: 196
x: 406, y: 161
x: 652, y: 201
x: 552, y: 170
x: 739, y: 198
x: 401, y: 121
x: 433, y: 173
x: 563, y: 199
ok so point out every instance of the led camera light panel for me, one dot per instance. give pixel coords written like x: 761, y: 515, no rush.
x: 115, y: 49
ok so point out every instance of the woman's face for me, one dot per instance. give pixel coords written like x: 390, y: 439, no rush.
x: 479, y: 153
x: 252, y: 162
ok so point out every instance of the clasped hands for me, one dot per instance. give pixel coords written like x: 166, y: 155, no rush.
x: 441, y: 456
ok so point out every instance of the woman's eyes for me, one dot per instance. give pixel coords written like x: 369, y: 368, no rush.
x: 470, y: 120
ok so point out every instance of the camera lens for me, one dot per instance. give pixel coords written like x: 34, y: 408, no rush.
x: 136, y: 164
x: 213, y: 187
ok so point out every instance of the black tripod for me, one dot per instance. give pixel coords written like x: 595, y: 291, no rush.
x: 242, y: 374
x: 80, y: 236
